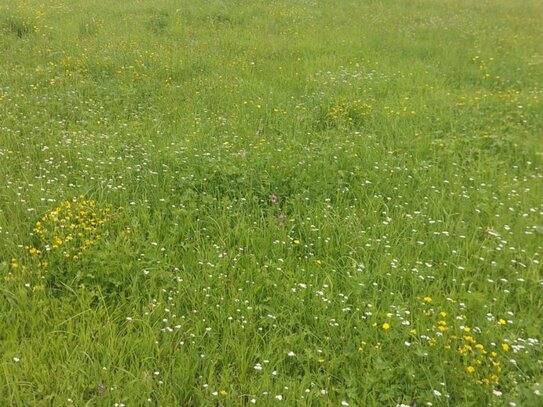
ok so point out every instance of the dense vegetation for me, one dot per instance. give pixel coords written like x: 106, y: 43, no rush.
x: 292, y: 202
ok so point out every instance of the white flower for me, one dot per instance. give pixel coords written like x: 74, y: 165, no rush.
x: 497, y: 393
x: 16, y: 359
x: 291, y: 354
x: 437, y: 393
x: 279, y: 397
x: 344, y: 403
x: 258, y: 366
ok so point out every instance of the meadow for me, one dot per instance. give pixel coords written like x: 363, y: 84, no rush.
x: 282, y: 202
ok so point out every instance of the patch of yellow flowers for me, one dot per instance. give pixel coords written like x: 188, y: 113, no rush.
x: 348, y: 112
x: 70, y: 229
x: 482, y: 364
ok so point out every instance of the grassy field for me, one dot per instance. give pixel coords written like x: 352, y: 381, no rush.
x: 301, y: 203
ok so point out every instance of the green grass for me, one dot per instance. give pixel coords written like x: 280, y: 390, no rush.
x: 303, y: 203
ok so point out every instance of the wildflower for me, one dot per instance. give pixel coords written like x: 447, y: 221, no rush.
x: 465, y: 348
x: 386, y: 326
x: 291, y: 354
x: 33, y: 251
x: 223, y: 393
x: 470, y: 369
x: 502, y: 321
x: 296, y: 241
x: 428, y: 299
x: 505, y: 347
x: 442, y: 326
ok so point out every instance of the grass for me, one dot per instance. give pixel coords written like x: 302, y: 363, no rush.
x: 303, y: 203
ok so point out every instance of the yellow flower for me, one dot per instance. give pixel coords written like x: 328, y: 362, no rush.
x: 470, y: 369
x: 296, y: 241
x: 386, y: 326
x: 223, y: 392
x: 505, y: 347
x: 469, y: 339
x: 502, y: 321
x: 428, y: 299
x: 33, y: 251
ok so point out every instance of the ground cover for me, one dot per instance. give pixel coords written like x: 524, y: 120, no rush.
x: 271, y: 202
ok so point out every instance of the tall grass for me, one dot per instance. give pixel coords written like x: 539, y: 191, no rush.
x: 290, y: 202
